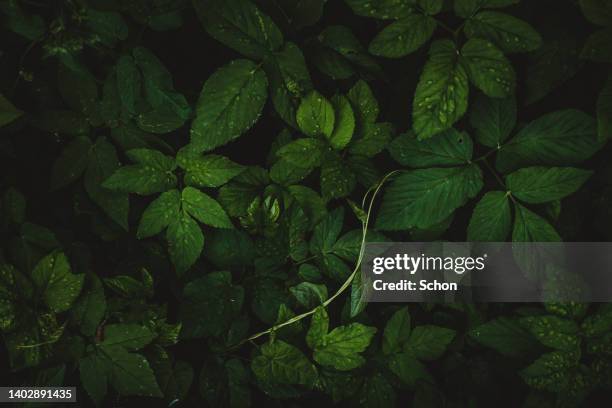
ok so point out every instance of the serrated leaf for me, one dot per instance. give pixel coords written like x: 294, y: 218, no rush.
x: 103, y: 162
x: 88, y: 311
x: 403, y: 36
x: 491, y: 220
x: 397, y: 331
x: 280, y: 362
x: 552, y: 371
x: 382, y: 9
x: 408, y: 369
x: 530, y: 227
x: 488, y: 69
x: 159, y: 214
x: 442, y: 92
x: 240, y: 25
x: 230, y: 103
x: 553, y: 331
x: 209, y: 170
x: 57, y: 284
x: 304, y: 153
x: 536, y: 185
x: 448, y: 148
x: 152, y: 174
x: 130, y: 336
x: 364, y: 103
x: 204, y: 208
x: 560, y: 138
x: 373, y: 138
x: 341, y: 347
x: 71, y: 163
x: 209, y: 304
x: 130, y: 373
x: 315, y: 115
x: 421, y: 198
x: 309, y: 294
x: 185, y: 241
x: 337, y: 180
x: 344, y: 122
x: 428, y: 342
x: 319, y: 326
x: 493, y: 119
x: 508, y: 33
x: 505, y: 336
x: 8, y: 111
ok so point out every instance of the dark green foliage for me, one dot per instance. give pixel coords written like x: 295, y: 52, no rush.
x: 187, y: 186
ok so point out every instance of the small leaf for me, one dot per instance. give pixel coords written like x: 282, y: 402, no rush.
x: 344, y: 123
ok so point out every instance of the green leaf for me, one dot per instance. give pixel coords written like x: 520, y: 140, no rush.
x: 240, y: 25
x: 337, y: 180
x: 207, y: 171
x: 382, y: 9
x: 508, y: 33
x: 403, y: 36
x: 209, y: 305
x: 506, y: 336
x: 185, y: 241
x: 536, y: 185
x: 431, y: 7
x: 598, y: 12
x: 315, y: 116
x: 364, y: 103
x: 441, y: 96
x: 326, y: 232
x: 280, y: 362
x: 130, y: 373
x: 130, y: 336
x: 448, y: 148
x: 56, y: 282
x: 491, y: 220
x: 428, y: 342
x: 304, y: 153
x: 289, y: 81
x: 309, y: 294
x: 129, y: 82
x: 174, y: 377
x: 560, y: 138
x: 8, y: 112
x: 553, y: 331
x: 319, y: 326
x: 94, y: 376
x: 397, y: 331
x: 604, y: 111
x: 373, y: 138
x: 103, y: 162
x: 421, y: 198
x: 530, y: 227
x: 159, y: 214
x: 408, y: 369
x: 552, y: 371
x: 204, y: 208
x: 230, y: 103
x: 152, y: 174
x: 488, y: 69
x: 493, y: 119
x: 598, y: 46
x: 88, y: 311
x: 71, y: 163
x: 344, y: 122
x: 341, y: 347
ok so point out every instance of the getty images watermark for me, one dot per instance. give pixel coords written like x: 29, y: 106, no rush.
x: 487, y: 272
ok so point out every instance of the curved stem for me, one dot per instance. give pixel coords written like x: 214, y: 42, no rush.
x: 347, y: 282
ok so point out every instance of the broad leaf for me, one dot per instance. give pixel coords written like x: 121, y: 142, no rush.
x: 185, y: 241
x: 403, y: 36
x: 280, y: 362
x: 537, y: 185
x: 421, y: 198
x: 442, y: 92
x: 530, y: 227
x: 159, y: 214
x: 397, y: 331
x: 341, y: 347
x: 506, y: 336
x: 488, y: 69
x: 553, y: 331
x: 58, y: 285
x: 204, y: 208
x: 344, y: 122
x: 230, y: 103
x: 152, y: 174
x: 315, y: 116
x: 493, y: 119
x: 428, y: 342
x: 491, y: 220
x: 449, y: 148
x: 508, y: 33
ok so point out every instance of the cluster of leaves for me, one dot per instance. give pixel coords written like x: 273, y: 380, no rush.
x: 163, y: 225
